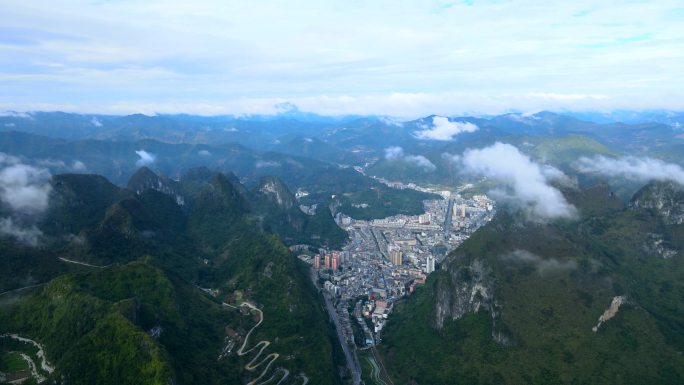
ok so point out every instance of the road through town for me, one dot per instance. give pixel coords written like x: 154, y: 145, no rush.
x: 352, y: 359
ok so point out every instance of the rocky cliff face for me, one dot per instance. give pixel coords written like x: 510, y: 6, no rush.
x: 465, y: 288
x: 146, y: 179
x: 656, y: 244
x: 664, y: 198
x: 276, y: 191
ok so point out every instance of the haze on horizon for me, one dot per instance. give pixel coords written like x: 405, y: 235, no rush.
x: 405, y: 59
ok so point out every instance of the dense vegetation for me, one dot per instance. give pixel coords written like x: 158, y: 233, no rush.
x: 142, y: 318
x: 381, y: 202
x: 545, y: 308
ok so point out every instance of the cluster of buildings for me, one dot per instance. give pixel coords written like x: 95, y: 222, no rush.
x: 330, y: 260
x: 386, y: 258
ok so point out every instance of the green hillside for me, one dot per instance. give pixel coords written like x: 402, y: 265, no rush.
x: 279, y: 213
x: 142, y: 318
x: 564, y: 150
x: 516, y: 303
x: 381, y: 202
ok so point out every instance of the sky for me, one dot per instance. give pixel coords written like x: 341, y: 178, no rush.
x: 394, y: 58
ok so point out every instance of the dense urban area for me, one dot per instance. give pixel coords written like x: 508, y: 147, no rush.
x: 386, y: 258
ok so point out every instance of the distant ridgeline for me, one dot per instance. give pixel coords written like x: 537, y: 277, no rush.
x: 112, y: 290
x: 587, y: 301
x: 316, y: 155
x: 117, y: 160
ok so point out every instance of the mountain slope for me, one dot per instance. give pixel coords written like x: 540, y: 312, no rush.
x: 517, y: 303
x: 142, y: 317
x: 279, y: 213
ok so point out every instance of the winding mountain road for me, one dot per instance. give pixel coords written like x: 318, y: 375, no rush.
x: 253, y: 365
x: 45, y: 366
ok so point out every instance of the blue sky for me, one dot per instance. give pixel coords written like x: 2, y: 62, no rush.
x: 398, y: 58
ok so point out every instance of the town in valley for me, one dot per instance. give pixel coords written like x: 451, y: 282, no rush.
x: 385, y: 259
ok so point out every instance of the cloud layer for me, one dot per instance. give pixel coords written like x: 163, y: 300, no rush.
x: 27, y: 235
x: 396, y: 153
x: 410, y: 58
x: 638, y: 169
x: 25, y: 192
x: 266, y: 163
x: 543, y: 265
x: 24, y: 188
x: 62, y: 166
x: 146, y: 158
x: 443, y: 129
x: 527, y: 183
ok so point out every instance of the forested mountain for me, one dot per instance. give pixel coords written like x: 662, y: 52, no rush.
x: 118, y: 274
x: 567, y: 301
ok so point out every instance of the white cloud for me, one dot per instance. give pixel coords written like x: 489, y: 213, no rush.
x: 543, y: 265
x: 204, y: 152
x: 451, y: 158
x: 399, y: 105
x: 24, y: 188
x: 96, y: 122
x: 420, y: 161
x: 527, y: 182
x: 639, y: 169
x: 402, y: 59
x: 28, y: 235
x: 146, y: 158
x: 6, y: 159
x: 390, y: 121
x: 443, y: 129
x: 60, y: 166
x: 396, y: 153
x: 16, y: 114
x: 51, y: 163
x: 77, y: 165
x: 268, y: 163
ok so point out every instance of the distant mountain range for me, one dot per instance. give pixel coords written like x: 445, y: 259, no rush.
x: 314, y: 154
x: 354, y: 140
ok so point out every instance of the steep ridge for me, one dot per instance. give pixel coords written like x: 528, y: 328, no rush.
x: 278, y: 213
x: 662, y: 198
x: 145, y: 179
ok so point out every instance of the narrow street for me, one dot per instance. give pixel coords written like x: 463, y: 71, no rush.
x: 350, y: 356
